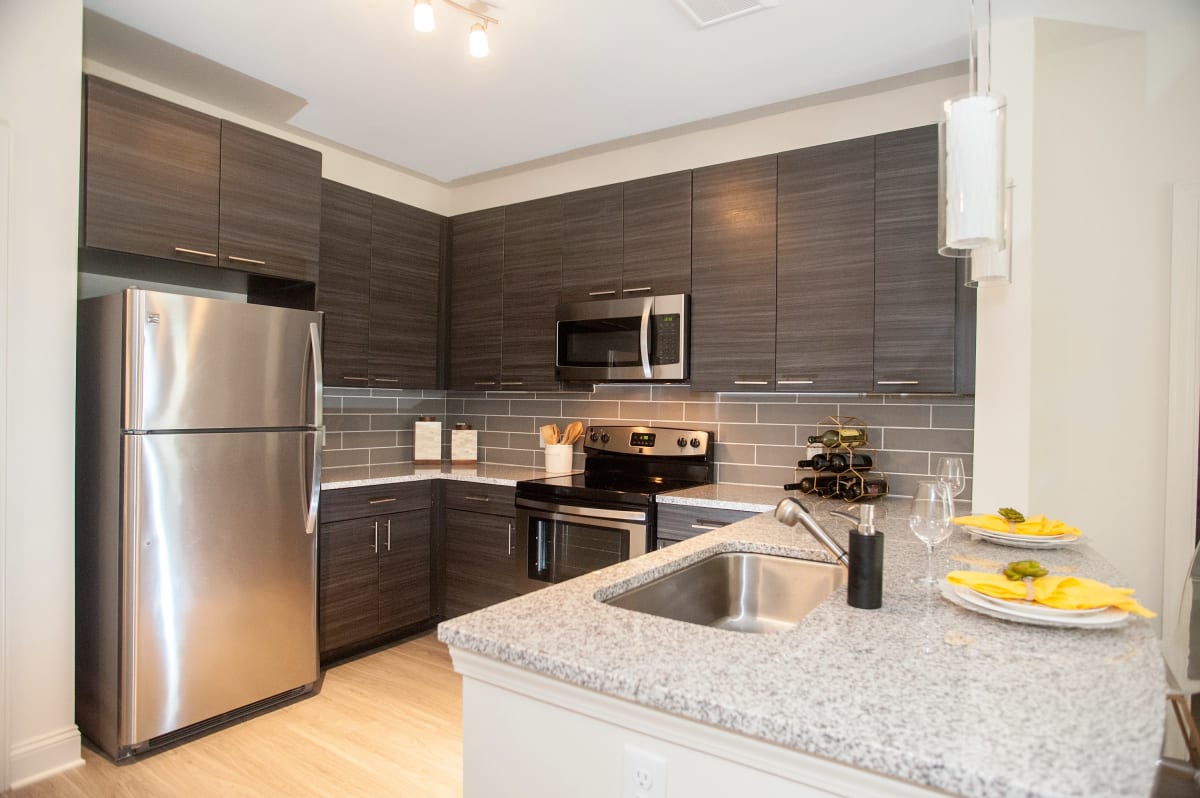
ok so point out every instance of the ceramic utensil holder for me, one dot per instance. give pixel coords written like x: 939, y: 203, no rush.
x: 464, y: 445
x: 427, y: 441
x: 558, y: 457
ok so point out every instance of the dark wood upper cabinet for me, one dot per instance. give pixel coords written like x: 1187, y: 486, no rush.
x: 152, y: 176
x: 270, y: 204
x: 825, y: 304
x: 915, y: 288
x: 406, y: 251
x: 591, y: 244
x: 733, y: 276
x: 532, y: 276
x: 657, y: 235
x: 344, y: 287
x: 476, y: 300
x: 168, y: 182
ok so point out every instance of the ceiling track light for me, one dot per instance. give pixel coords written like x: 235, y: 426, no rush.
x: 477, y: 40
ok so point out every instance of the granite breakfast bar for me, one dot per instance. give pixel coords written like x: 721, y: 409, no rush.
x: 920, y: 697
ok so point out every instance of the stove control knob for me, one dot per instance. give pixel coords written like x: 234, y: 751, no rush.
x: 604, y: 438
x: 695, y: 443
x: 681, y: 442
x: 594, y: 437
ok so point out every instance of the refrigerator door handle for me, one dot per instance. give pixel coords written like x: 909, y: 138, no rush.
x: 314, y: 486
x: 318, y: 383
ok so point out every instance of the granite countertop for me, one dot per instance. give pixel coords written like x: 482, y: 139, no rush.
x: 480, y: 472
x: 921, y: 689
x: 727, y: 497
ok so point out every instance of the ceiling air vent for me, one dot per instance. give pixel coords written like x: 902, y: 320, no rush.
x: 710, y: 12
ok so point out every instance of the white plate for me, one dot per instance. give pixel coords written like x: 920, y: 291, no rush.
x: 1022, y: 541
x: 1031, y: 608
x: 969, y: 600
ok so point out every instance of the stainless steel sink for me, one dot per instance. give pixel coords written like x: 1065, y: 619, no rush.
x: 740, y: 591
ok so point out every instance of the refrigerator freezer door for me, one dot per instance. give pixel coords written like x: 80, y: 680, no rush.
x: 195, y: 363
x: 220, y: 579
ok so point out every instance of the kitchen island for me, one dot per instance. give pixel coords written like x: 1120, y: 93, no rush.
x: 921, y: 697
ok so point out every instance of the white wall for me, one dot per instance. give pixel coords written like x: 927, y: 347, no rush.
x: 1071, y: 400
x: 40, y: 63
x: 894, y: 109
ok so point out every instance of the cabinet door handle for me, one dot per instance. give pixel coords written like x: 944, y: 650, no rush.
x: 251, y: 261
x: 897, y: 382
x: 389, y: 534
x: 512, y: 382
x: 477, y: 498
x: 793, y: 382
x: 484, y: 383
x: 382, y: 500
x: 200, y: 252
x: 636, y: 290
x: 355, y: 379
x: 751, y: 382
x: 375, y: 545
x: 602, y: 293
x: 707, y: 525
x: 386, y: 379
x: 510, y: 531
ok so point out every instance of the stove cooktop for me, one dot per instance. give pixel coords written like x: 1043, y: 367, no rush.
x: 628, y: 466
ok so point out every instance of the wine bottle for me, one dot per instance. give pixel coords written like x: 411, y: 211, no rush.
x: 852, y: 488
x: 822, y: 486
x: 837, y: 462
x: 844, y: 436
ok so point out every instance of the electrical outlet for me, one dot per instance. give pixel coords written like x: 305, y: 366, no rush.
x: 645, y: 774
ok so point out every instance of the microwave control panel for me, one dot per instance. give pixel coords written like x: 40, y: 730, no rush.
x: 665, y: 349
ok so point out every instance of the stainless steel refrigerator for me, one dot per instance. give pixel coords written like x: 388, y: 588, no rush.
x: 197, y: 485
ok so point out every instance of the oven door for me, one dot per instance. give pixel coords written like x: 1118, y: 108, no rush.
x: 558, y: 542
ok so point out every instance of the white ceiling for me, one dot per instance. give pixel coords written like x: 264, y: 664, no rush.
x: 562, y: 74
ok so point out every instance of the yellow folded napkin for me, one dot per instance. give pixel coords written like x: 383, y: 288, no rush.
x: 1062, y: 592
x: 1038, y: 525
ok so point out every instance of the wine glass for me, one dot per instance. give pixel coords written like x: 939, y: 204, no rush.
x: 930, y: 519
x: 951, y: 471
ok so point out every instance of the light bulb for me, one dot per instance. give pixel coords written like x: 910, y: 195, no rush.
x: 423, y: 15
x: 478, y: 43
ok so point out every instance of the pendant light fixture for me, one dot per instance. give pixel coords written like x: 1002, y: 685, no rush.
x: 423, y: 15
x: 477, y: 39
x: 971, y: 182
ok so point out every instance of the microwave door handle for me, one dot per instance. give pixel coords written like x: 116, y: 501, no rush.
x: 647, y: 306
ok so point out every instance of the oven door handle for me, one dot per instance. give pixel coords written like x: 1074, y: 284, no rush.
x: 647, y: 306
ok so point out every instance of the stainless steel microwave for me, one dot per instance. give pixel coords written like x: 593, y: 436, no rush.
x: 623, y: 340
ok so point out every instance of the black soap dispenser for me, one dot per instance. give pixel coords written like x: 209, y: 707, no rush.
x: 865, y: 589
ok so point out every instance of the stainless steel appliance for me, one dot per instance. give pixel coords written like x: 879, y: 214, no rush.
x: 576, y: 523
x: 197, y: 485
x: 623, y: 340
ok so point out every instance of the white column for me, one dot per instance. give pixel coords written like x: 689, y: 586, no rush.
x: 40, y: 74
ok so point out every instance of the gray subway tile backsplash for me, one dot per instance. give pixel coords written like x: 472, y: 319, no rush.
x: 759, y: 436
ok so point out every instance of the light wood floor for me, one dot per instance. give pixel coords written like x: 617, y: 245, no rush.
x: 388, y: 724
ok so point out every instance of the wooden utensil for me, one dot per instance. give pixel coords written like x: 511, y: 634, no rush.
x: 573, y: 432
x: 557, y: 434
x: 549, y: 433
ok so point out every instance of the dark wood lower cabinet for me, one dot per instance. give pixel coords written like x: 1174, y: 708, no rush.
x: 348, y: 583
x: 375, y: 571
x: 479, y: 561
x: 404, y: 575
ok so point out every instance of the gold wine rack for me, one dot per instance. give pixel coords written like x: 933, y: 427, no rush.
x: 853, y: 484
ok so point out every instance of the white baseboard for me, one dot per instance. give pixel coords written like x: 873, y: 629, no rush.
x: 42, y: 757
